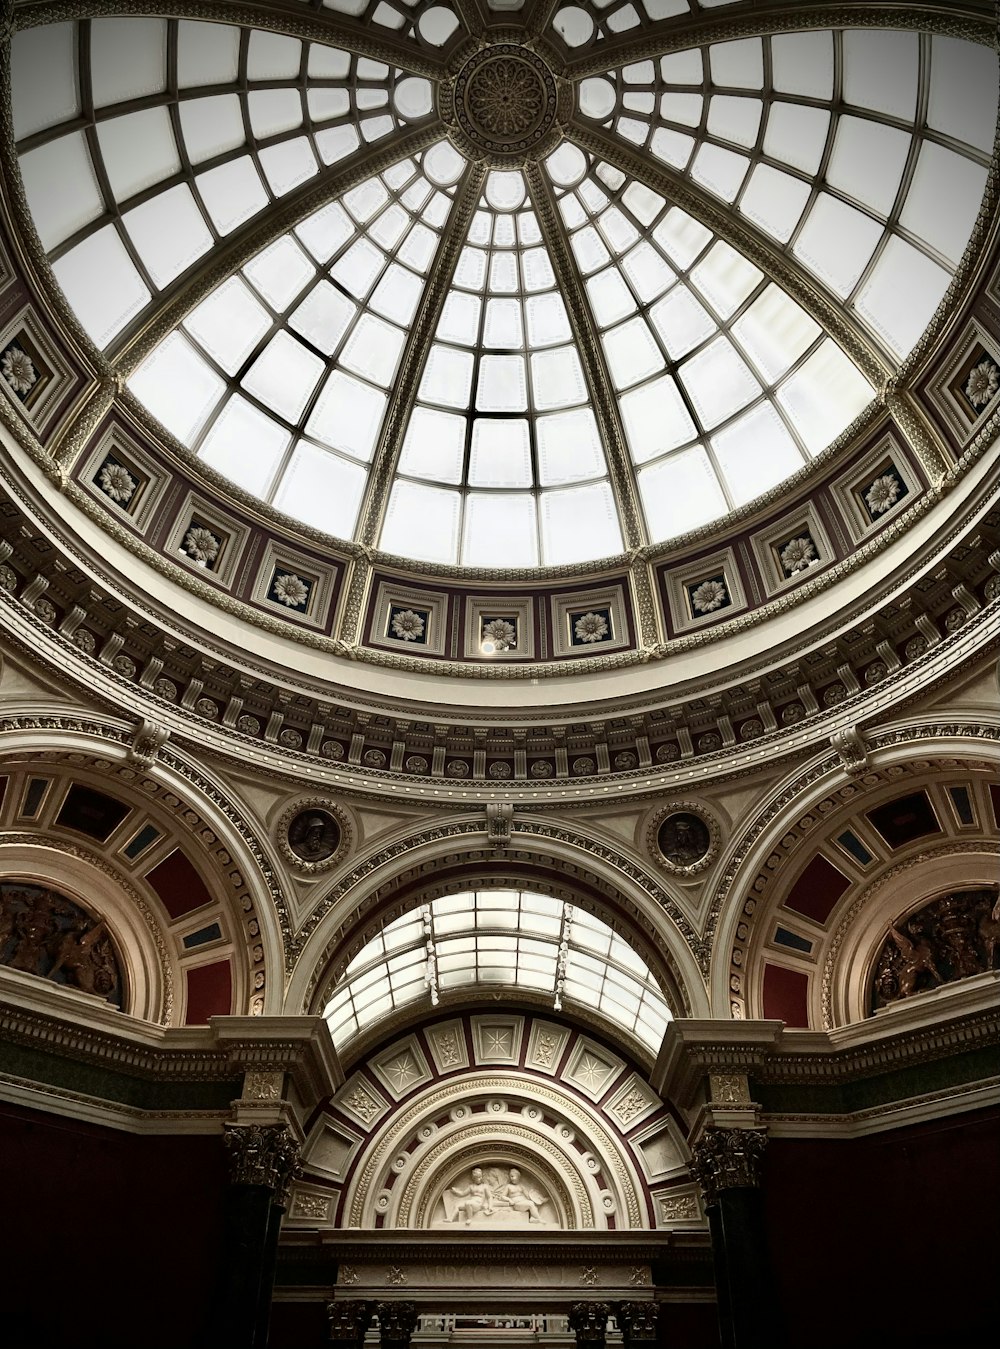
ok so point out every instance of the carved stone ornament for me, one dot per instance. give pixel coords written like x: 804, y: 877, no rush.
x: 503, y: 103
x: 146, y: 743
x: 396, y: 1323
x: 589, y: 1322
x: 349, y: 1322
x: 850, y: 745
x: 728, y: 1159
x: 953, y: 937
x: 637, y: 1322
x: 499, y: 817
x: 44, y: 933
x: 314, y: 834
x: 684, y: 838
x: 261, y: 1154
x: 496, y: 1196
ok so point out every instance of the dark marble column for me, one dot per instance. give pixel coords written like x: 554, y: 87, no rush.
x: 590, y: 1322
x: 349, y: 1322
x: 262, y: 1162
x: 726, y: 1163
x: 637, y: 1323
x: 396, y: 1323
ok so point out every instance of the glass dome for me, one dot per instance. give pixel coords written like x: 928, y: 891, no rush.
x: 532, y: 306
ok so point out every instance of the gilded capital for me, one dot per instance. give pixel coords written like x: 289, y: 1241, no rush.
x: 396, y: 1323
x: 728, y: 1159
x: 637, y: 1322
x: 262, y: 1154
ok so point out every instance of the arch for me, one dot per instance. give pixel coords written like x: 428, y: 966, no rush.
x: 773, y: 848
x: 390, y: 1144
x: 180, y: 830
x: 403, y: 874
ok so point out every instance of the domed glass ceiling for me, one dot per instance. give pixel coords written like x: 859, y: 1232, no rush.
x: 509, y: 939
x: 630, y: 325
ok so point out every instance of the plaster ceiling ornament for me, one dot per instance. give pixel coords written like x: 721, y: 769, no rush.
x: 313, y: 834
x: 504, y: 103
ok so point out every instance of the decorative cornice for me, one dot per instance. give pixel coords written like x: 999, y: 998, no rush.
x: 768, y: 1053
x: 66, y: 1026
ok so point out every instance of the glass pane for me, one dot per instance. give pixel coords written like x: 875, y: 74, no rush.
x: 824, y: 396
x: 578, y: 524
x: 680, y: 494
x: 245, y: 445
x: 283, y: 376
x: 501, y: 453
x: 433, y: 446
x: 177, y: 386
x: 322, y: 490
x: 102, y: 284
x: 500, y: 531
x: 755, y: 453
x: 422, y: 522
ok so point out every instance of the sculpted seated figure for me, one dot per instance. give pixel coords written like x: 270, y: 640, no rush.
x: 474, y: 1198
x: 514, y: 1195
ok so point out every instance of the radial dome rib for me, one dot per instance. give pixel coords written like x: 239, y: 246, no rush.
x: 279, y: 379
x: 863, y: 153
x: 502, y: 462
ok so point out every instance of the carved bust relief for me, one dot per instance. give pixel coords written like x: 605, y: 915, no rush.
x: 683, y: 837
x: 495, y: 1196
x: 313, y: 834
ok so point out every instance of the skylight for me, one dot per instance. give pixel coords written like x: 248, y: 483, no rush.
x: 503, y: 939
x: 626, y: 329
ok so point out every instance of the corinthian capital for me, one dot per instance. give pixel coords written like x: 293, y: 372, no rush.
x: 262, y: 1154
x: 728, y: 1159
x: 590, y: 1322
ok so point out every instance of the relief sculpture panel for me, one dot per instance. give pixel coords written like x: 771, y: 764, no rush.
x: 495, y: 1196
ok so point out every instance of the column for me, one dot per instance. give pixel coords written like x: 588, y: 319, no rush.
x: 726, y: 1164
x: 262, y: 1161
x: 590, y: 1322
x: 349, y: 1322
x: 396, y: 1323
x: 637, y: 1323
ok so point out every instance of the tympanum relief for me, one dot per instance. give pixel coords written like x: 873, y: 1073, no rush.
x: 44, y: 933
x: 951, y: 938
x: 495, y: 1196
